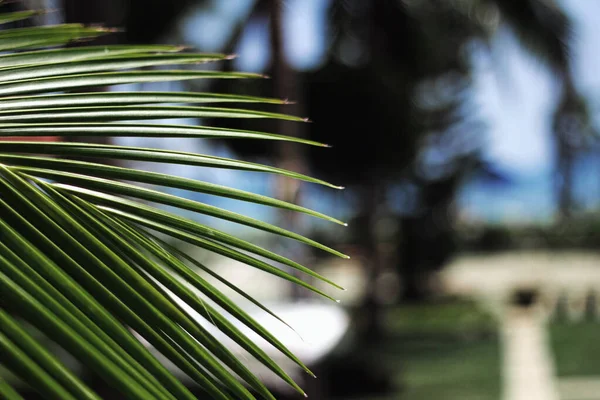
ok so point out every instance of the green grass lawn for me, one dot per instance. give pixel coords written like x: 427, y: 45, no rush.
x: 443, y: 351
x: 576, y: 348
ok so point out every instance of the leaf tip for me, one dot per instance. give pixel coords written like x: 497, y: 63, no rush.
x: 231, y: 56
x: 288, y: 101
x: 306, y: 120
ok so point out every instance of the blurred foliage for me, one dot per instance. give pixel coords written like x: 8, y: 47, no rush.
x: 395, y: 98
x: 580, y: 233
x: 141, y: 21
x: 377, y: 124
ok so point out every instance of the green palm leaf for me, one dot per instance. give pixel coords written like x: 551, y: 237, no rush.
x: 78, y: 258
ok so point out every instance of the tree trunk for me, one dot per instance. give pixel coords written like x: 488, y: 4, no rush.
x: 289, y: 155
x: 564, y: 181
x: 428, y: 237
x: 370, y: 318
x: 569, y: 123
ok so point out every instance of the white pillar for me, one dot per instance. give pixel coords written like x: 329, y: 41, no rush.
x: 528, y: 368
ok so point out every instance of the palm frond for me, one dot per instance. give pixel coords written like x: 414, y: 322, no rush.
x: 79, y: 258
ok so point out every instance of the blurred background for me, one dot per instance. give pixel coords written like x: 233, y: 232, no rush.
x: 466, y: 135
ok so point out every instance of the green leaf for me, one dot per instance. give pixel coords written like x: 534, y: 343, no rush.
x: 190, y: 226
x: 36, y: 37
x: 70, y: 82
x: 214, y: 247
x: 127, y: 98
x: 97, y: 267
x: 172, y: 251
x: 79, y: 262
x: 21, y: 338
x: 177, y: 182
x: 77, y: 54
x: 128, y: 113
x: 210, y: 314
x: 140, y: 130
x: 146, y: 299
x: 156, y: 337
x: 8, y: 392
x: 77, y: 30
x: 146, y: 267
x: 128, y: 153
x: 120, y: 188
x: 128, y: 61
x: 215, y: 295
x: 28, y: 370
x: 17, y: 299
x: 81, y: 304
x: 17, y: 16
x: 89, y: 338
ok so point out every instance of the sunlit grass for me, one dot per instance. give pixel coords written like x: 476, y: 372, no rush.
x: 575, y: 348
x: 440, y: 351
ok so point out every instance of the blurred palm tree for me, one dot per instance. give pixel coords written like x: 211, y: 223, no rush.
x: 544, y: 29
x: 409, y: 115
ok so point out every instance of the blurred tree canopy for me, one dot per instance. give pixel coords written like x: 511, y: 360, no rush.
x: 141, y: 21
x: 395, y: 98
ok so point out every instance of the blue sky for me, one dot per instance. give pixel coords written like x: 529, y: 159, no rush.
x: 519, y: 99
x: 518, y: 95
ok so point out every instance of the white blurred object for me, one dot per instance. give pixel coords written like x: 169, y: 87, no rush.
x: 567, y: 277
x: 528, y: 367
x: 494, y: 278
x: 319, y: 329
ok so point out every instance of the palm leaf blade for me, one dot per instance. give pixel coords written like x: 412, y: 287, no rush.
x: 21, y: 364
x: 106, y: 324
x: 17, y: 16
x: 78, y: 259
